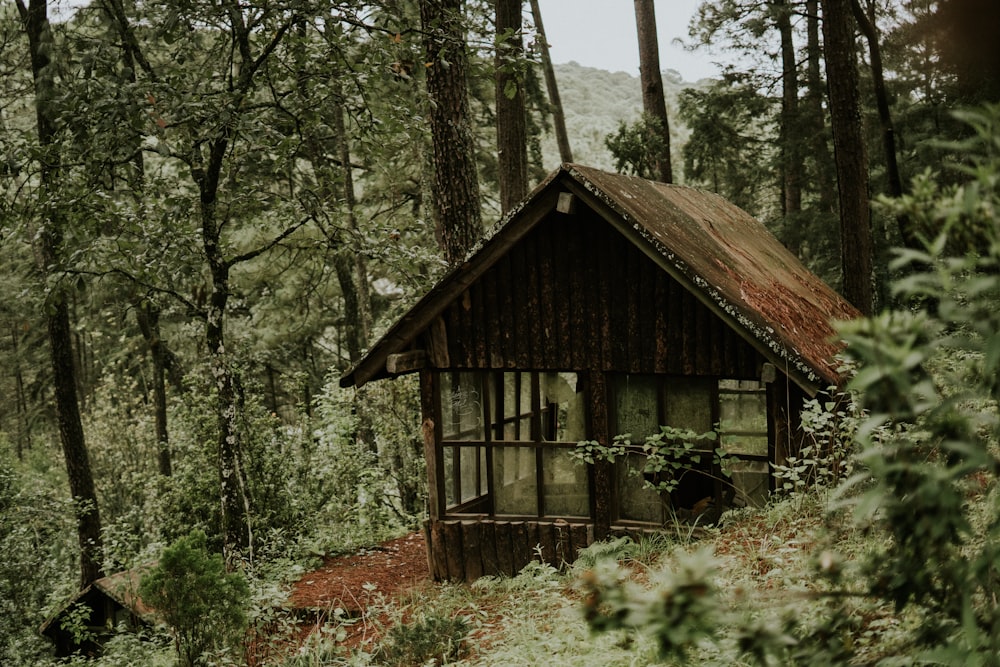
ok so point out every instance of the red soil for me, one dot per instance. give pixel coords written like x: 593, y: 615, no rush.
x: 351, y: 582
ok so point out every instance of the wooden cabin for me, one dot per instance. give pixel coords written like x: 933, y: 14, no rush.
x: 604, y: 304
x: 108, y: 603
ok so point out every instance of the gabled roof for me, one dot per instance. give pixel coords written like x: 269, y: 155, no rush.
x: 717, y: 251
x: 122, y: 587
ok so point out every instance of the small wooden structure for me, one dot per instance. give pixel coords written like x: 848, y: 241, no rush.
x: 604, y: 304
x: 109, y: 602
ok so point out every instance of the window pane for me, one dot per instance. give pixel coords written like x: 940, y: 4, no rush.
x: 635, y: 502
x: 750, y: 479
x: 566, y: 488
x: 514, y: 483
x: 689, y: 403
x: 448, y: 454
x: 462, y: 406
x: 470, y: 472
x: 635, y: 406
x: 563, y: 397
x: 516, y: 412
x: 747, y: 445
x: 743, y: 417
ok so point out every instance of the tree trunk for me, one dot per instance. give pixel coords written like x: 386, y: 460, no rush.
x: 850, y: 155
x: 512, y: 142
x: 455, y: 188
x: 352, y: 269
x: 895, y: 180
x: 48, y: 250
x: 147, y: 315
x: 791, y: 167
x: 555, y: 102
x: 654, y: 104
x: 815, y: 92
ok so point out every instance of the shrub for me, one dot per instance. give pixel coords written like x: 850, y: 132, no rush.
x: 191, y: 591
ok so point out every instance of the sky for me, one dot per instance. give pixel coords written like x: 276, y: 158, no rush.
x: 601, y: 34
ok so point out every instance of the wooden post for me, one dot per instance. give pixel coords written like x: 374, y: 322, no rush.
x: 505, y: 555
x: 602, y: 500
x: 488, y: 548
x: 453, y: 550
x: 472, y: 548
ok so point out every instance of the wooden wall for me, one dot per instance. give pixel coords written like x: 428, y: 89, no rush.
x: 575, y: 295
x: 460, y: 550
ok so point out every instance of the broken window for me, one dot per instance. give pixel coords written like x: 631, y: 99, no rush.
x: 734, y: 409
x: 506, y: 438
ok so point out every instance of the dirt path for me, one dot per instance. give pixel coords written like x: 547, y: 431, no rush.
x: 350, y: 582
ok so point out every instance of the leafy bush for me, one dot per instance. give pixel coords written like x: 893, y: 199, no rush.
x: 928, y: 381
x: 434, y: 637
x: 204, y: 605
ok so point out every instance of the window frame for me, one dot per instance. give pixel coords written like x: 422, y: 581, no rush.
x: 541, y: 421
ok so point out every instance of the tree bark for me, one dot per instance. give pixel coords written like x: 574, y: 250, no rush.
x: 850, y: 155
x: 147, y: 315
x: 48, y: 251
x: 455, y: 186
x: 512, y: 142
x: 555, y: 102
x: 791, y: 167
x: 895, y: 180
x: 815, y: 92
x: 654, y: 103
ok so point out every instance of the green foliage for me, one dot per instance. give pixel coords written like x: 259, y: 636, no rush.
x: 634, y: 146
x: 191, y: 591
x: 679, y: 609
x: 929, y: 436
x: 826, y: 458
x: 667, y: 455
x: 436, y: 638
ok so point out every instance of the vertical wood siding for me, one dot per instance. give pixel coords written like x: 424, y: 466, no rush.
x: 575, y: 295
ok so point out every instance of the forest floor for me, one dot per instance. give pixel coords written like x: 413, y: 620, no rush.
x: 347, y: 586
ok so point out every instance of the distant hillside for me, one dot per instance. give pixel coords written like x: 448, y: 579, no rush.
x: 596, y: 101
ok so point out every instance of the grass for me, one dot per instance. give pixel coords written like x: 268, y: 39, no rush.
x: 766, y: 573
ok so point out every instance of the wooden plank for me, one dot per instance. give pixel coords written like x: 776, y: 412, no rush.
x: 546, y: 287
x: 579, y: 537
x: 472, y: 548
x: 479, y: 319
x: 434, y: 462
x: 505, y: 555
x: 522, y: 306
x: 533, y: 346
x: 648, y: 315
x: 561, y: 267
x: 602, y: 309
x: 493, y: 320
x: 576, y: 259
x: 546, y: 539
x: 661, y: 326
x: 437, y: 335
x: 520, y: 546
x: 488, y: 548
x: 532, y: 538
x: 633, y: 325
x: 603, y: 505
x: 439, y: 550
x: 404, y: 362
x: 563, y: 546
x: 453, y: 550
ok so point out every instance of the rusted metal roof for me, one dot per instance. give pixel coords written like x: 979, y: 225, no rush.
x: 720, y: 253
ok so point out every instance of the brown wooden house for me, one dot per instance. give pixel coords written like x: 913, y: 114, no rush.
x: 108, y: 602
x: 604, y: 304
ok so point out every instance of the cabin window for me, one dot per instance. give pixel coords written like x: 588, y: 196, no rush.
x: 743, y: 433
x: 734, y: 409
x: 506, y: 438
